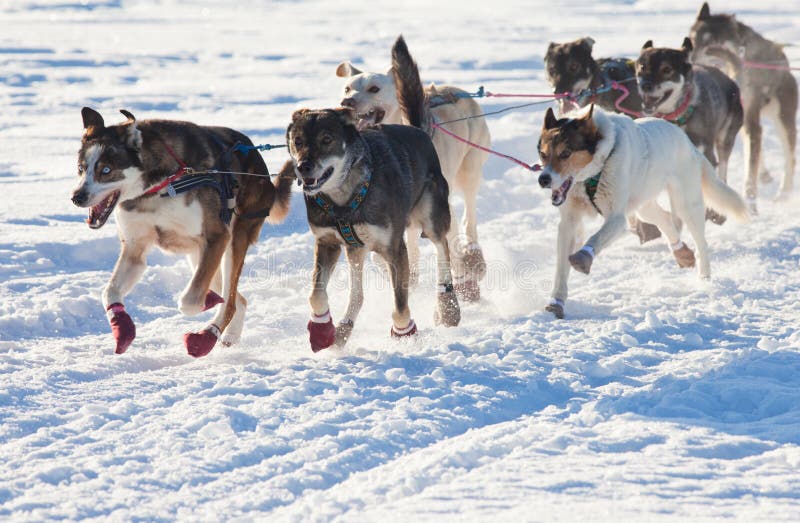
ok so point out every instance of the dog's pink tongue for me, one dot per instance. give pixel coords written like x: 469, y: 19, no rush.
x: 212, y: 300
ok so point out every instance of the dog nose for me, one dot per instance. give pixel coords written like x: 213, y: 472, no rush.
x: 545, y: 180
x: 305, y: 167
x: 79, y: 198
x: 348, y: 102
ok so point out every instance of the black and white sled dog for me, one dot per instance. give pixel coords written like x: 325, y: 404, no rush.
x: 701, y: 100
x: 138, y: 170
x: 570, y: 68
x: 596, y: 162
x: 771, y: 92
x: 362, y: 190
x: 372, y: 95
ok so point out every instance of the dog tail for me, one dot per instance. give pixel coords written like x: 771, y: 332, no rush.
x: 720, y: 197
x: 283, y: 194
x: 410, y: 94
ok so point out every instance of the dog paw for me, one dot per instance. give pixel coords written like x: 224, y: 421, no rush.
x: 474, y: 263
x: 715, y: 217
x: 343, y: 332
x: 199, y: 344
x: 581, y: 261
x: 684, y: 256
x: 646, y: 231
x: 230, y: 338
x: 447, y: 311
x: 122, y: 327
x: 212, y: 300
x: 467, y: 290
x: 321, y: 332
x: 557, y: 310
x: 408, y: 330
x: 752, y: 207
x: 783, y: 195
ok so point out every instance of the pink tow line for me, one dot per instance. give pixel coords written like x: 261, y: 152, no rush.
x: 772, y: 67
x: 534, y: 167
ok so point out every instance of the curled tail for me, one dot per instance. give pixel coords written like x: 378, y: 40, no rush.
x: 410, y: 94
x: 283, y: 194
x: 720, y: 197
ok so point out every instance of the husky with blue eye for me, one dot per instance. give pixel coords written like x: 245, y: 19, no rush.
x: 607, y: 164
x: 136, y: 169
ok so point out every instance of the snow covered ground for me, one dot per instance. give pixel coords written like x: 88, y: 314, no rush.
x: 661, y: 397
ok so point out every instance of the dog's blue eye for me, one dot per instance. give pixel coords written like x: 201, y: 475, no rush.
x: 374, y: 89
x: 106, y: 170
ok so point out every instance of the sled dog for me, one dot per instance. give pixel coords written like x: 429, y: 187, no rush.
x: 595, y: 162
x: 770, y: 91
x: 362, y: 189
x: 138, y: 171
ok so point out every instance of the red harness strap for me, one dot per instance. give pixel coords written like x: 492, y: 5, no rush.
x: 677, y: 113
x: 182, y: 170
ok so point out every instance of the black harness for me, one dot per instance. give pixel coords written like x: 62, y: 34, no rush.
x: 590, y: 185
x: 342, y: 216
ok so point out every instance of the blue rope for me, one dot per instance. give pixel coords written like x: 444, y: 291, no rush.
x: 263, y: 147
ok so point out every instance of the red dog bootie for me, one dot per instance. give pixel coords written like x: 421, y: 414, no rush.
x: 212, y: 299
x: 199, y: 344
x: 122, y: 326
x: 321, y: 332
x: 408, y: 330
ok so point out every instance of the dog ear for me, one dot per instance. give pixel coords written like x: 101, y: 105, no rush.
x: 587, y: 115
x: 705, y: 12
x: 346, y: 114
x: 686, y: 46
x: 550, y: 120
x: 550, y: 47
x: 648, y: 44
x: 587, y: 42
x: 300, y: 113
x: 91, y: 119
x: 346, y: 69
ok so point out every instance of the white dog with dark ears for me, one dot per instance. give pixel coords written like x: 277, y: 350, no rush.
x: 596, y: 162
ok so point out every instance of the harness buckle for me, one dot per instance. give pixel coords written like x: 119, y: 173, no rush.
x: 171, y: 191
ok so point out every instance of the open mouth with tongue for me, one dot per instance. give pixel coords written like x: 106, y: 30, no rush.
x: 98, y: 214
x: 368, y: 119
x: 314, y: 184
x: 559, y: 195
x: 650, y: 103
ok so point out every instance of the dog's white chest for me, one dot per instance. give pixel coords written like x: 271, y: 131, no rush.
x: 171, y: 217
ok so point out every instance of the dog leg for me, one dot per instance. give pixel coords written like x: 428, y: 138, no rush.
x: 355, y: 259
x: 708, y: 151
x: 402, y: 324
x: 612, y: 228
x: 412, y: 240
x: 193, y: 299
x: 686, y: 201
x: 447, y: 311
x: 567, y: 229
x: 130, y: 266
x: 752, y: 154
x: 787, y: 132
x: 474, y: 262
x: 320, y: 327
x: 652, y: 212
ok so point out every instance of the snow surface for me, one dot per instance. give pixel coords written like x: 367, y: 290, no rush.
x: 661, y: 397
